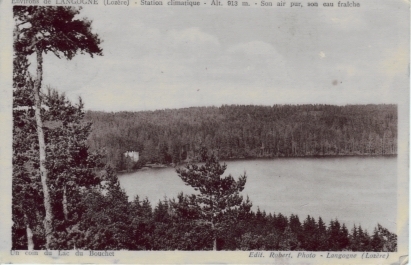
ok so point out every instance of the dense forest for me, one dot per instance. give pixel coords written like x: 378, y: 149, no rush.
x: 238, y: 131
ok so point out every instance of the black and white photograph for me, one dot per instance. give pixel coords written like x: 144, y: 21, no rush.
x: 209, y: 131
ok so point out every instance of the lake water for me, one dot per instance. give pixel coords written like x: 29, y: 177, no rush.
x: 360, y: 190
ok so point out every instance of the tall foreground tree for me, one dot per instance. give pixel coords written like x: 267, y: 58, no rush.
x: 27, y: 197
x: 72, y: 171
x: 218, y: 195
x: 71, y: 166
x: 45, y: 29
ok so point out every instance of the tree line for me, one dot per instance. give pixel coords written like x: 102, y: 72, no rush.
x: 244, y: 131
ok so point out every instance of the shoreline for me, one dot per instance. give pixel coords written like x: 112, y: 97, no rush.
x: 160, y: 166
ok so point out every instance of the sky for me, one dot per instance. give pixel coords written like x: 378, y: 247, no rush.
x: 174, y: 57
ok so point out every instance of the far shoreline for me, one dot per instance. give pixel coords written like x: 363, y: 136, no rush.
x: 152, y: 166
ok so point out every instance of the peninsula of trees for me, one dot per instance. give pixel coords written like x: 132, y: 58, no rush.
x: 239, y: 131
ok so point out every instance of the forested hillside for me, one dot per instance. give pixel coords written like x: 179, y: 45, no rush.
x: 238, y: 131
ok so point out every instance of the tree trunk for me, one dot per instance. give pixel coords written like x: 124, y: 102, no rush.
x: 29, y: 234
x: 214, y: 236
x: 42, y: 150
x: 65, y: 210
x: 30, y: 243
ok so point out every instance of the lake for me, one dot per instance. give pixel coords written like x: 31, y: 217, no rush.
x: 356, y: 190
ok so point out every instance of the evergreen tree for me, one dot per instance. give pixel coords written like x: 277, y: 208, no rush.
x: 333, y: 232
x: 364, y: 240
x: 70, y: 172
x: 27, y: 196
x: 233, y: 236
x: 27, y: 230
x: 162, y: 238
x: 322, y: 235
x: 344, y: 240
x: 106, y: 222
x: 310, y: 239
x: 280, y: 222
x: 295, y: 226
x: 72, y: 168
x: 142, y: 224
x: 388, y: 239
x: 40, y: 30
x: 217, y: 194
x: 190, y: 233
x: 354, y: 239
x: 289, y: 240
x: 337, y: 236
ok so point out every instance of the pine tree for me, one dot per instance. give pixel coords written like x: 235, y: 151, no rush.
x: 217, y: 194
x: 40, y: 30
x: 310, y: 240
x: 295, y: 226
x: 106, y: 222
x: 354, y: 239
x: 334, y: 230
x: 72, y: 168
x: 162, y: 238
x: 364, y: 240
x: 376, y: 241
x: 189, y: 232
x: 70, y: 172
x: 388, y: 240
x: 26, y: 191
x: 289, y: 240
x: 142, y: 224
x: 322, y: 235
x: 344, y: 240
x: 280, y: 222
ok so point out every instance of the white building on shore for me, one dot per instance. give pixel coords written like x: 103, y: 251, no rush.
x: 132, y: 154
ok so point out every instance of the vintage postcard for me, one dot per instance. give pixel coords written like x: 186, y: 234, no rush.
x: 204, y: 131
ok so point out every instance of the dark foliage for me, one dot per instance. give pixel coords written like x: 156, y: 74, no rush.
x: 38, y: 30
x: 218, y: 195
x: 54, y: 29
x: 166, y: 136
x: 71, y: 169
